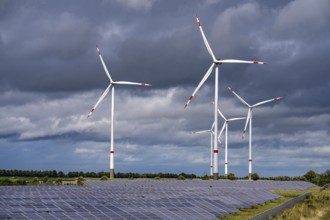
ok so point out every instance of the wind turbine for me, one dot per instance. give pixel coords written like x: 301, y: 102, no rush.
x: 249, y: 120
x: 112, y: 86
x: 211, y: 148
x: 216, y: 63
x: 225, y: 126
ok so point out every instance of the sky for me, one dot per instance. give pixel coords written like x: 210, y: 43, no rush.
x: 51, y: 77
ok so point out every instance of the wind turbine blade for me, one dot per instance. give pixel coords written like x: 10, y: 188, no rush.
x: 104, y: 66
x: 240, y: 61
x: 209, y: 71
x: 235, y: 119
x: 247, y: 121
x: 212, y: 127
x: 200, y: 132
x: 100, y: 100
x: 224, y: 118
x: 131, y: 83
x: 240, y: 98
x: 263, y: 102
x: 222, y: 129
x: 205, y: 40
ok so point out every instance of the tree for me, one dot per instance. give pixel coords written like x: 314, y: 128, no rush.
x: 255, y: 176
x: 231, y: 176
x: 311, y: 176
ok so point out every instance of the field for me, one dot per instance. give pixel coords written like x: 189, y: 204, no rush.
x: 139, y: 199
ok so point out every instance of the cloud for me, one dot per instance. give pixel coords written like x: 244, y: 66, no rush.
x: 139, y: 5
x: 300, y: 18
x: 51, y: 76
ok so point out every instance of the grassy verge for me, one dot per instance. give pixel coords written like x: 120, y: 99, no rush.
x: 255, y: 210
x: 315, y: 207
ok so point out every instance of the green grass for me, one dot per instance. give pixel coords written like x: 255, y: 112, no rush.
x: 255, y: 210
x: 36, y: 181
x: 315, y: 207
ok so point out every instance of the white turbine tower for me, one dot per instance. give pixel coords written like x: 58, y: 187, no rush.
x: 249, y: 120
x: 225, y: 126
x: 112, y: 86
x: 211, y: 146
x: 216, y: 63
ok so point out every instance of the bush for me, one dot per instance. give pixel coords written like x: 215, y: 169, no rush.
x: 45, y: 179
x: 35, y: 181
x: 58, y: 181
x: 205, y: 177
x: 5, y: 182
x: 231, y: 176
x: 104, y: 178
x: 20, y: 182
x: 157, y: 177
x: 81, y: 178
x: 181, y: 177
x: 255, y: 176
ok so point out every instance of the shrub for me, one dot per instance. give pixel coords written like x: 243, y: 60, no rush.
x: 5, y: 182
x: 181, y: 177
x: 45, y: 179
x: 157, y: 177
x: 20, y: 182
x: 58, y: 181
x: 255, y: 176
x: 205, y: 177
x: 104, y: 178
x: 81, y: 178
x: 35, y: 181
x: 231, y: 176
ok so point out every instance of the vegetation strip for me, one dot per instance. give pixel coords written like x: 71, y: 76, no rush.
x: 279, y: 209
x: 255, y: 210
x: 317, y: 206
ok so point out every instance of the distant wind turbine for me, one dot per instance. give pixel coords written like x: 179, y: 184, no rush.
x: 216, y: 63
x: 225, y: 126
x: 249, y: 120
x: 211, y: 147
x: 112, y: 86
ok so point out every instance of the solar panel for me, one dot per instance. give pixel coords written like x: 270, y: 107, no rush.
x: 138, y: 199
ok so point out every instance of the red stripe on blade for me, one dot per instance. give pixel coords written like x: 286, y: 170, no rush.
x: 215, y: 151
x: 112, y: 152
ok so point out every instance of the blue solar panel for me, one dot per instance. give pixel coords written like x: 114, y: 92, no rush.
x: 138, y: 199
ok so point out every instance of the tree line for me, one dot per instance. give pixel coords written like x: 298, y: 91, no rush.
x: 60, y: 174
x: 311, y: 176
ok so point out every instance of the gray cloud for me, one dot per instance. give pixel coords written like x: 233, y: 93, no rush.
x: 51, y: 76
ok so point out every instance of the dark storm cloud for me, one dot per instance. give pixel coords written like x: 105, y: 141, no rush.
x: 51, y: 76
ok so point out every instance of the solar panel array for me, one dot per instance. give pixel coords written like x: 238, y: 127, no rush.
x: 138, y: 199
